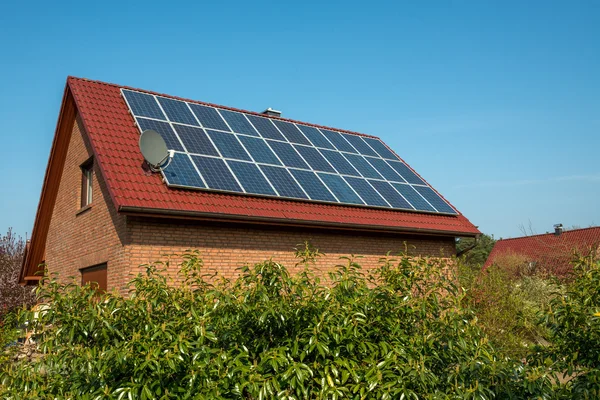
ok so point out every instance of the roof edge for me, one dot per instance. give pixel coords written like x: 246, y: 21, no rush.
x: 205, y: 216
x: 56, y: 160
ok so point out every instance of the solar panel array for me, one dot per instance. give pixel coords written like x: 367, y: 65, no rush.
x: 223, y: 150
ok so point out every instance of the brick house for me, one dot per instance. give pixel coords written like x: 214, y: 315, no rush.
x: 102, y: 213
x: 553, y: 252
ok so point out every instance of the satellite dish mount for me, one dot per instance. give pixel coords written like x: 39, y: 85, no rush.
x: 155, y: 151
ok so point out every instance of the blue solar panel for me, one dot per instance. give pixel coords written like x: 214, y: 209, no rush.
x: 283, y: 182
x: 165, y: 131
x: 287, y: 154
x: 381, y: 148
x: 338, y: 141
x: 384, y: 169
x: 265, y: 127
x: 362, y: 166
x: 406, y: 173
x: 312, y: 185
x: 228, y: 145
x: 314, y: 159
x: 209, y: 117
x: 435, y: 200
x: 181, y: 172
x: 195, y: 140
x: 360, y: 145
x: 292, y: 133
x: 216, y: 174
x: 238, y: 122
x: 339, y: 162
x: 259, y: 150
x: 366, y: 191
x: 413, y: 197
x: 177, y: 111
x: 390, y: 194
x: 340, y: 189
x: 143, y: 105
x: 251, y: 178
x: 316, y: 137
x: 320, y: 164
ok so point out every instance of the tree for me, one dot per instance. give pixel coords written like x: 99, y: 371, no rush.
x: 12, y: 295
x: 477, y: 255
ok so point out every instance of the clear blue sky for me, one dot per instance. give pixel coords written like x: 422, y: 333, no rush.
x: 495, y: 103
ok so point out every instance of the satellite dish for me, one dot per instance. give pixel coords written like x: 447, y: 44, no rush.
x: 154, y: 149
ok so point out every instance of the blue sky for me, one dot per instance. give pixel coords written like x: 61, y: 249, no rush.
x: 495, y: 103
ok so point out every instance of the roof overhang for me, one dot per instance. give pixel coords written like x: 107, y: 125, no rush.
x: 215, y: 217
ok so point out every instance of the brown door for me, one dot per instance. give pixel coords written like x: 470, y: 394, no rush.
x: 96, y: 276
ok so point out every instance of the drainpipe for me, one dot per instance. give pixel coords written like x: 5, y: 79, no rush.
x: 471, y: 247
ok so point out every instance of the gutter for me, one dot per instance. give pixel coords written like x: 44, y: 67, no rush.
x: 202, y: 216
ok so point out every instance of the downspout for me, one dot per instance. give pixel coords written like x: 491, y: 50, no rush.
x: 471, y: 247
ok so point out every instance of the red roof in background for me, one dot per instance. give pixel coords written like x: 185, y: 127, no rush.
x: 552, y: 251
x: 114, y: 138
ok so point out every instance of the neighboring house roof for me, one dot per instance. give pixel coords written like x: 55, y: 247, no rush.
x: 553, y: 252
x: 114, y: 138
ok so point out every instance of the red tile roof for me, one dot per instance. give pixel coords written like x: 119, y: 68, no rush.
x: 553, y: 252
x: 114, y: 139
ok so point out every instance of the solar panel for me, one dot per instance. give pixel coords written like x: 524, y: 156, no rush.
x: 381, y: 149
x: 224, y: 150
x: 410, y: 194
x: 287, y: 154
x: 339, y: 162
x: 259, y: 150
x: 338, y: 141
x: 435, y: 200
x: 366, y: 191
x: 360, y: 145
x: 177, y: 111
x: 229, y: 145
x: 363, y: 166
x: 265, y: 127
x: 291, y: 133
x: 216, y: 174
x: 209, y: 117
x: 283, y: 182
x: 406, y: 172
x: 195, y: 140
x: 384, y: 169
x: 311, y: 184
x: 341, y: 189
x: 181, y: 172
x: 238, y: 122
x: 316, y: 137
x: 251, y: 178
x: 314, y: 158
x: 143, y: 105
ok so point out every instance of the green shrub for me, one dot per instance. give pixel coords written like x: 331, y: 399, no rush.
x: 573, y: 320
x: 398, y: 332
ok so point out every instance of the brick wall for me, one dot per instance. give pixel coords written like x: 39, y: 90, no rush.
x: 80, y: 238
x: 227, y: 246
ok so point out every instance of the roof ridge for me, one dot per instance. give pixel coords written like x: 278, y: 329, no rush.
x: 550, y: 233
x: 70, y: 77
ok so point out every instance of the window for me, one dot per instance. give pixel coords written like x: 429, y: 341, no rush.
x: 96, y: 276
x: 87, y: 172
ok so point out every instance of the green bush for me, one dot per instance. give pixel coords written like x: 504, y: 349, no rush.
x: 573, y: 320
x: 399, y: 332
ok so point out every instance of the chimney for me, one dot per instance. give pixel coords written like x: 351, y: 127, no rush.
x: 272, y: 113
x: 558, y: 229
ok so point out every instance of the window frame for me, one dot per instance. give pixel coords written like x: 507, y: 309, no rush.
x: 87, y: 183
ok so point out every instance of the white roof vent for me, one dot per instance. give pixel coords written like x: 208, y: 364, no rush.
x: 271, y: 112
